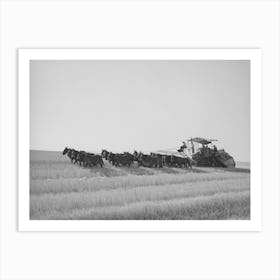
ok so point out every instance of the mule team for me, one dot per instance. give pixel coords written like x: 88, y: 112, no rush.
x: 83, y: 158
x: 90, y: 160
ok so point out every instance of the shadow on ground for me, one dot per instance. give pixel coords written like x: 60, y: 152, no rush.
x: 235, y: 169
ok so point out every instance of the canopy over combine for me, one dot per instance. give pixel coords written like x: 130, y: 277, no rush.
x: 202, y: 141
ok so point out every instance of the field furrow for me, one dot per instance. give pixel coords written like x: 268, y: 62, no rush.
x: 68, y: 201
x: 217, y: 207
x: 40, y: 186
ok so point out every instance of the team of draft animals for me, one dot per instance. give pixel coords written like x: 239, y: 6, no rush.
x: 90, y: 160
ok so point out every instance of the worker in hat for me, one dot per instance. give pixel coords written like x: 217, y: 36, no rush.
x: 183, y: 147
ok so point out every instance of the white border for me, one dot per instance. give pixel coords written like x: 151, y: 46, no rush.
x: 24, y: 57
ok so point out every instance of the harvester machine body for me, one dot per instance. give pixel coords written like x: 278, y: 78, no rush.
x: 204, y: 153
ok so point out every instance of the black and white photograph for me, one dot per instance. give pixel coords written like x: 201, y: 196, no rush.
x: 140, y: 139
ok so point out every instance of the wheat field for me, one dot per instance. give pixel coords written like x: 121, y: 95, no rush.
x: 60, y: 190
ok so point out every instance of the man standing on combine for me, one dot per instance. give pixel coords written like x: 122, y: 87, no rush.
x: 182, y: 148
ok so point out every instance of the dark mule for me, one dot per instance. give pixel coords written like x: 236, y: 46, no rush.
x: 70, y: 153
x: 93, y: 160
x: 130, y: 156
x: 81, y: 158
x: 120, y: 159
x: 105, y: 154
x: 146, y: 160
x: 65, y: 151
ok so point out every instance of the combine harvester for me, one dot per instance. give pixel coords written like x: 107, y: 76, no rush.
x: 202, y: 152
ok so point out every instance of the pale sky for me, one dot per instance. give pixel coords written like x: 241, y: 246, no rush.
x: 143, y: 105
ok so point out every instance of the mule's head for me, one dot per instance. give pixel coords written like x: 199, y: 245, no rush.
x: 137, y: 155
x: 65, y: 151
x: 104, y: 154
